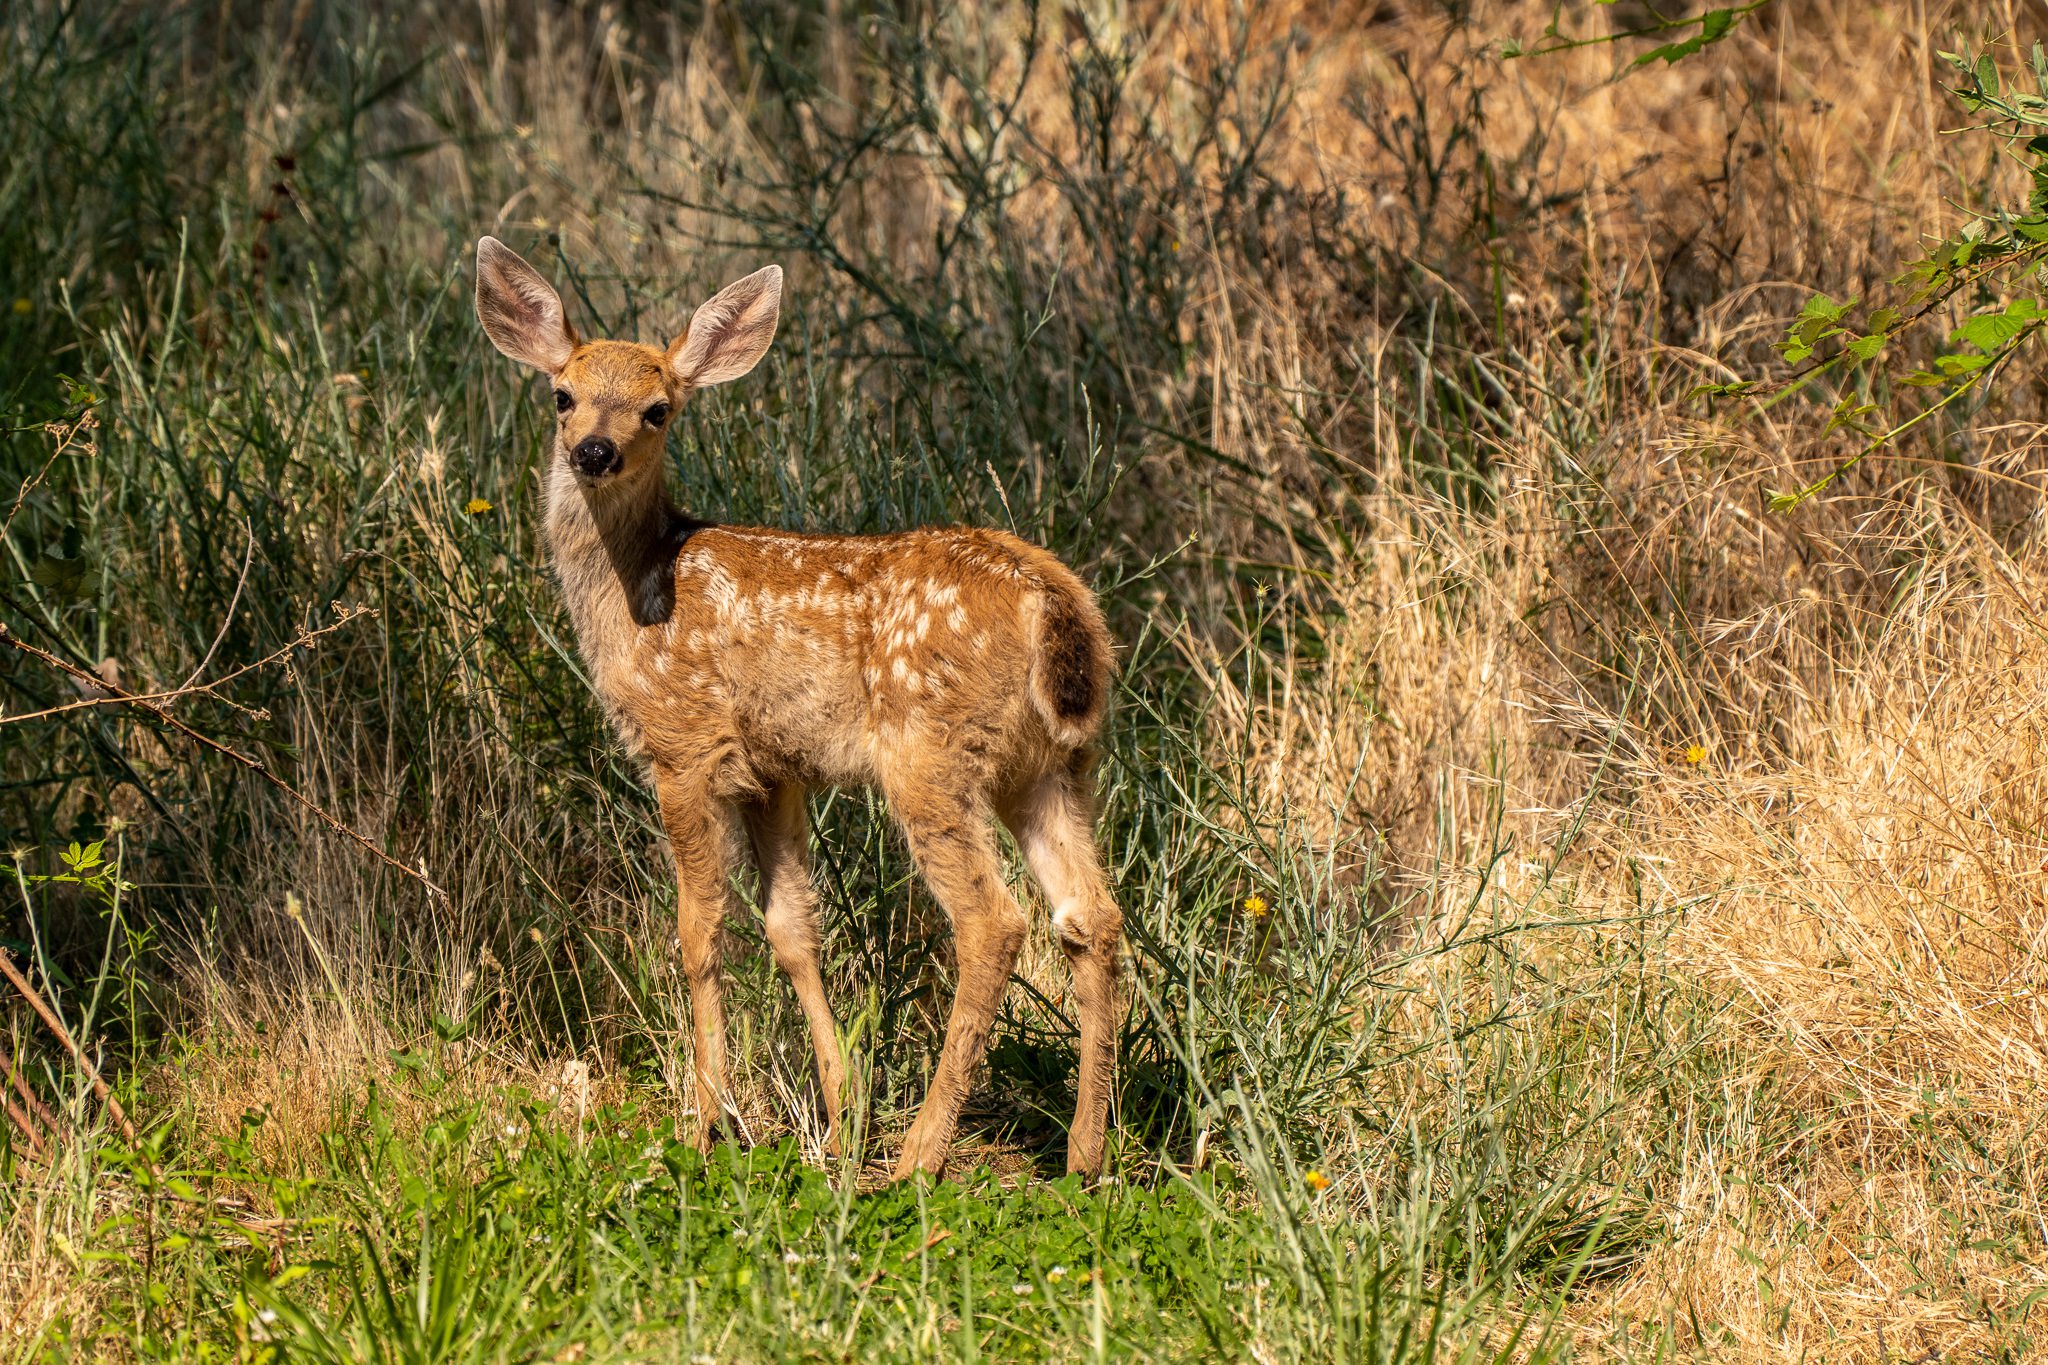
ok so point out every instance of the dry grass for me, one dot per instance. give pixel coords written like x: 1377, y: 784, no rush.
x: 1412, y: 644
x: 1864, y: 833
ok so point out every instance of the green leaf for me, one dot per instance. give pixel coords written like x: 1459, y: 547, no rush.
x: 1821, y: 308
x: 1846, y: 412
x: 77, y: 393
x: 63, y: 570
x: 1714, y: 26
x: 1989, y: 331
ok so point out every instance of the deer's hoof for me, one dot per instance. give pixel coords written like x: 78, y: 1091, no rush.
x: 920, y: 1156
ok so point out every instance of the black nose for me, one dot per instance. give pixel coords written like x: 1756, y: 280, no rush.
x: 594, y: 455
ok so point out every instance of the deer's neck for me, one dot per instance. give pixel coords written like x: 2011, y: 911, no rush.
x: 614, y: 547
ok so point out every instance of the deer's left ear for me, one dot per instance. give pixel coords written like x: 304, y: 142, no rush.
x: 730, y: 333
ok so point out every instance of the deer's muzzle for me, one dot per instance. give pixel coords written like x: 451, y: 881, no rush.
x: 594, y: 457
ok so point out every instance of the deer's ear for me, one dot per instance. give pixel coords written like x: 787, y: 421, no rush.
x: 730, y: 333
x: 520, y: 311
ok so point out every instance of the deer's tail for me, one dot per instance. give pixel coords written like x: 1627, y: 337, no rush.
x: 1071, y: 660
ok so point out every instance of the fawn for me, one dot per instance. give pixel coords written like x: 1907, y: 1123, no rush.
x: 963, y: 673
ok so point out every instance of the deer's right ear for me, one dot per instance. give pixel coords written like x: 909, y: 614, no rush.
x: 521, y: 313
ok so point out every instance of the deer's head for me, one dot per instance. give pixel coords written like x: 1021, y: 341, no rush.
x: 613, y: 399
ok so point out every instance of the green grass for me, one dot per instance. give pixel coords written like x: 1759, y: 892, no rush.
x: 1483, y: 1163
x: 495, y: 1231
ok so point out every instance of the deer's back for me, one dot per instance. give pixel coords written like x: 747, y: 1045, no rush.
x: 842, y: 659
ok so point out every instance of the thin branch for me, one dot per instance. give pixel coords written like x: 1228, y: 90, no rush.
x: 26, y: 1113
x: 67, y: 436
x: 28, y: 1130
x: 110, y: 696
x: 1785, y: 502
x: 56, y: 1026
x: 248, y: 558
x: 1560, y: 43
x: 254, y: 765
x: 28, y: 1096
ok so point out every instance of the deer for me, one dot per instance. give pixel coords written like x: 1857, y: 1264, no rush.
x: 961, y: 673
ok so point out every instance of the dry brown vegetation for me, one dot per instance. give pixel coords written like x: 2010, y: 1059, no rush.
x: 1862, y: 845
x: 1482, y: 609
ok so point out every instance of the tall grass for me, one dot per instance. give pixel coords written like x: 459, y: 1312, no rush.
x: 1571, y: 909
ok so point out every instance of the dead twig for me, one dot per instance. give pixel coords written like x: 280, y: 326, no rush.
x: 157, y: 708
x: 228, y: 617
x: 20, y: 1113
x: 106, y: 691
x: 36, y: 1150
x: 67, y: 435
x: 34, y: 1106
x: 55, y: 1023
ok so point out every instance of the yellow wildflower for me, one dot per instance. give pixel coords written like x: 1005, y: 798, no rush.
x: 1316, y: 1181
x: 476, y: 507
x: 23, y: 307
x: 1696, y: 754
x: 1255, y: 906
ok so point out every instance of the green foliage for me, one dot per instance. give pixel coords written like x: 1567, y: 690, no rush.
x: 1714, y: 25
x: 1989, y: 263
x: 494, y: 1232
x: 1706, y: 29
x: 1818, y: 320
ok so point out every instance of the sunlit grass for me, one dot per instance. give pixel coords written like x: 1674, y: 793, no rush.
x: 1571, y: 907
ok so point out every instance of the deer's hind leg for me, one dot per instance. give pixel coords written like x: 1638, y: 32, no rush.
x: 952, y: 838
x: 1054, y: 824
x: 780, y: 829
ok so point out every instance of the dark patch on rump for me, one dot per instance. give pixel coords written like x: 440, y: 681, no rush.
x: 1067, y: 666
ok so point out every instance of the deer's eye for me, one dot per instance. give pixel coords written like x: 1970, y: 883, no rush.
x: 656, y: 415
x: 563, y: 402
